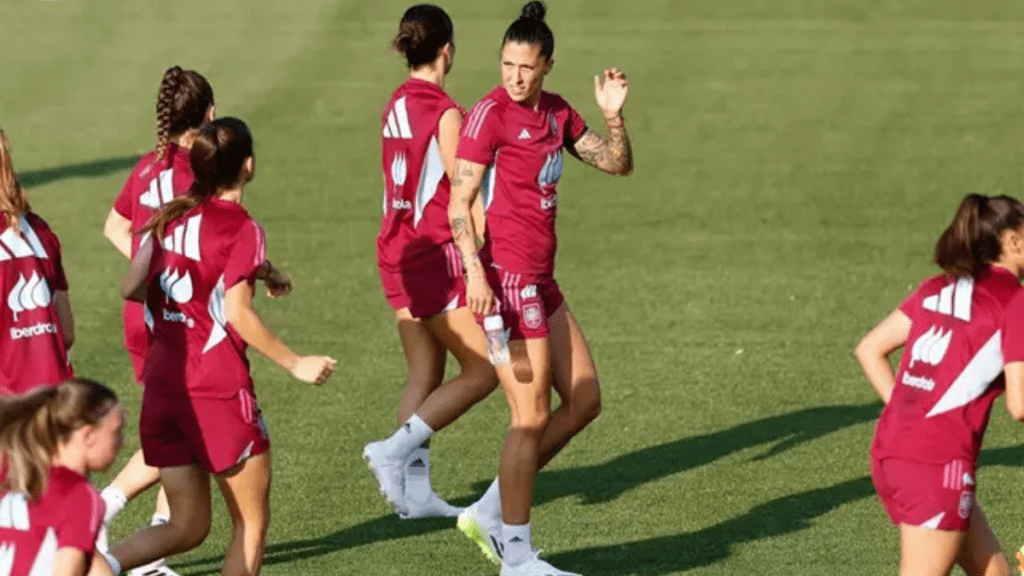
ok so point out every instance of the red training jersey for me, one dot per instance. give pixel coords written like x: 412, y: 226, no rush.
x: 153, y: 184
x: 523, y: 148
x: 963, y: 332
x: 67, y: 516
x: 416, y: 186
x: 32, y: 350
x: 193, y: 349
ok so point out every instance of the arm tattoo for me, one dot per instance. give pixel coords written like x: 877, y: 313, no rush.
x: 614, y: 155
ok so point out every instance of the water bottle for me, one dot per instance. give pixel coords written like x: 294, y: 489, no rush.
x: 497, y: 340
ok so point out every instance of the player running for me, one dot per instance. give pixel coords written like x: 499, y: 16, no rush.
x: 519, y: 131
x: 50, y: 440
x: 184, y: 103
x: 963, y: 342
x: 196, y: 272
x: 38, y: 329
x: 419, y: 265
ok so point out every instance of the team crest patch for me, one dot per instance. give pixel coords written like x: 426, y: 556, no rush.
x: 966, y: 501
x: 532, y: 315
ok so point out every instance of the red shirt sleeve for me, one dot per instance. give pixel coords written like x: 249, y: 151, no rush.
x: 1013, y: 329
x: 124, y: 205
x: 247, y: 255
x: 575, y: 127
x: 81, y: 526
x: 481, y: 131
x: 912, y: 303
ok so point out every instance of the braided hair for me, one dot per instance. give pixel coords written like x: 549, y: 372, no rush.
x: 181, y: 105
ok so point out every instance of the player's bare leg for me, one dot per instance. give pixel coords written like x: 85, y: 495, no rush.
x: 459, y: 332
x: 246, y: 490
x: 928, y: 552
x: 575, y: 382
x: 981, y: 554
x: 188, y: 495
x: 424, y: 358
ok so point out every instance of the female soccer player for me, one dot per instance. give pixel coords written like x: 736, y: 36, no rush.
x: 184, y: 103
x: 50, y: 440
x: 963, y: 342
x: 519, y: 130
x: 38, y: 329
x: 419, y: 265
x: 196, y: 273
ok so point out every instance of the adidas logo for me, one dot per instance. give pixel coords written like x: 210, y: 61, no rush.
x: 515, y: 539
x: 161, y: 190
x: 524, y: 135
x: 21, y: 246
x: 953, y: 300
x: 397, y: 125
x: 968, y: 481
x: 417, y: 463
x: 30, y: 294
x: 184, y: 238
x: 408, y: 427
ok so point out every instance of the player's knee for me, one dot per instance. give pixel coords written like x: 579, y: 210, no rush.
x: 587, y: 407
x: 188, y: 535
x: 532, y: 422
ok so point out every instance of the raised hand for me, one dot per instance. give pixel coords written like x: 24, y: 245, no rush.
x: 314, y: 369
x: 610, y: 91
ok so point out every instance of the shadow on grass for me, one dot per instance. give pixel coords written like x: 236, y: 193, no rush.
x: 609, y: 480
x: 95, y: 168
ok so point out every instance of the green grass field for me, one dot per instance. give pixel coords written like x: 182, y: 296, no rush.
x: 795, y: 160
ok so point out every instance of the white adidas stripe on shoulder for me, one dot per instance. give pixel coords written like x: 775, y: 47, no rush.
x: 477, y: 117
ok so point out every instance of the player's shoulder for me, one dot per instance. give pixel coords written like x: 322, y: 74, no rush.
x: 66, y: 485
x: 40, y: 226
x: 554, y: 100
x: 145, y: 167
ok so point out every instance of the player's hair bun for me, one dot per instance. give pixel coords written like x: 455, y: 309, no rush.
x: 534, y: 10
x: 424, y: 29
x: 411, y: 35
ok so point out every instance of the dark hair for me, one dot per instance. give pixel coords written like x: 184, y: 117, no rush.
x: 217, y: 155
x: 972, y: 239
x: 181, y: 104
x: 13, y: 201
x: 530, y: 28
x: 424, y: 29
x: 35, y: 423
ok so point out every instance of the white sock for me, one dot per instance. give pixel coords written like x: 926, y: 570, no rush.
x: 489, y: 505
x: 417, y: 476
x: 115, y: 566
x: 407, y: 438
x: 517, y: 546
x: 114, y: 501
x: 159, y: 519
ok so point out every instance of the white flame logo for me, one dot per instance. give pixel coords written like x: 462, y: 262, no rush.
x: 551, y: 173
x: 399, y: 169
x: 931, y: 347
x: 177, y: 288
x: 28, y: 294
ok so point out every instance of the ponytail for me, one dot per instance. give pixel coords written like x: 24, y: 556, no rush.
x: 36, y: 423
x: 181, y: 105
x: 972, y: 239
x: 217, y: 156
x: 13, y: 201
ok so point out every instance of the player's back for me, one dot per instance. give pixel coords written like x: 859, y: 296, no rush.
x: 32, y: 350
x: 416, y: 186
x: 203, y: 254
x: 952, y: 366
x: 67, y: 516
x: 152, y: 184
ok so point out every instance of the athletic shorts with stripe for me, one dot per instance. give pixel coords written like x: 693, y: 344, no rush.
x: 936, y: 496
x: 216, y: 433
x: 432, y: 285
x: 525, y: 302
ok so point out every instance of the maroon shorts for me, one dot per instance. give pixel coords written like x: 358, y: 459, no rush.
x: 936, y: 496
x: 433, y: 284
x: 525, y: 302
x: 136, y: 336
x: 216, y: 433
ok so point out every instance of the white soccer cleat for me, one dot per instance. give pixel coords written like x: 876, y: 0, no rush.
x: 389, y: 473
x: 488, y: 538
x: 534, y: 566
x: 432, y: 507
x: 156, y: 568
